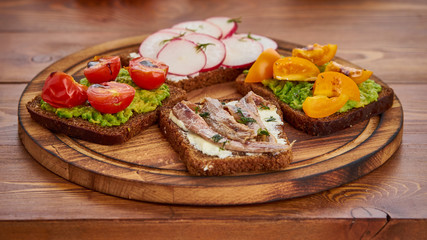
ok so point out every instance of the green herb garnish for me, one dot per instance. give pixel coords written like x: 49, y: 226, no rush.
x: 264, y: 107
x: 170, y: 39
x: 202, y: 46
x: 223, y: 145
x: 235, y: 20
x: 216, y: 138
x: 253, y: 38
x: 263, y: 132
x: 271, y: 119
x: 243, y: 119
x: 204, y: 114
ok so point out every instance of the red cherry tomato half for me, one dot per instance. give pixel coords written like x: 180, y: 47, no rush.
x: 110, y: 97
x: 148, y: 73
x: 61, y: 91
x: 102, y: 69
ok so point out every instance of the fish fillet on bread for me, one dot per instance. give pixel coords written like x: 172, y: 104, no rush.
x: 215, y: 138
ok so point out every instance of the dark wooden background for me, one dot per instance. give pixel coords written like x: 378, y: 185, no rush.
x: 387, y: 37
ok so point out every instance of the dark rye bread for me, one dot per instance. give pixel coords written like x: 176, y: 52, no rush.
x: 321, y: 126
x: 200, y: 164
x: 327, y: 125
x: 82, y: 129
x: 204, y: 79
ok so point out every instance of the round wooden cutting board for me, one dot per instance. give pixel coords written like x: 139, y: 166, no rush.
x: 146, y: 168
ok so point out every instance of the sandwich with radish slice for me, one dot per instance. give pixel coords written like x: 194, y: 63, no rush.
x: 201, y: 53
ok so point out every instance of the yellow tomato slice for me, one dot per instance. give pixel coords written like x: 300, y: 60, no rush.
x: 295, y: 69
x: 263, y: 66
x: 318, y: 54
x: 358, y: 75
x: 334, y: 84
x: 322, y: 106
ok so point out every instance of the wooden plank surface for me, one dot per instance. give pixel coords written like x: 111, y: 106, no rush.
x: 387, y: 37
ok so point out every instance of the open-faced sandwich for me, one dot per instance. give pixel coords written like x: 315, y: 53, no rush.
x: 201, y: 53
x: 110, y: 105
x: 216, y: 138
x: 317, y: 95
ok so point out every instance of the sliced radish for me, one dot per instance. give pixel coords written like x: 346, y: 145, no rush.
x: 177, y: 31
x: 151, y: 46
x: 241, y: 52
x: 201, y: 27
x: 213, y: 48
x: 227, y: 25
x: 265, y: 41
x: 182, y: 57
x: 177, y: 78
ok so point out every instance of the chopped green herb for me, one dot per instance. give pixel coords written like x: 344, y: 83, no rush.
x: 235, y: 20
x: 204, y: 114
x: 170, y: 39
x: 216, y: 138
x: 253, y: 38
x: 223, y: 145
x: 271, y: 119
x: 202, y: 46
x: 197, y: 109
x: 246, y: 120
x: 264, y: 107
x: 243, y: 119
x: 263, y: 132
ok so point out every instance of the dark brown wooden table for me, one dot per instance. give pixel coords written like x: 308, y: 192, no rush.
x: 387, y: 37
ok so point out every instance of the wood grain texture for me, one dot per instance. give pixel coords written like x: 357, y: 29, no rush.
x: 135, y: 170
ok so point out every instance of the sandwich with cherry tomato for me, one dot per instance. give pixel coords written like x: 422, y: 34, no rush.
x: 317, y: 94
x: 110, y: 104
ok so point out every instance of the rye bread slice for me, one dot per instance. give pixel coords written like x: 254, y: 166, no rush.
x: 205, y: 79
x: 321, y: 126
x: 82, y: 129
x: 200, y: 164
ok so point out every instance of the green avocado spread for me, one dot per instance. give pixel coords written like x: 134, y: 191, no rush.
x: 295, y: 93
x: 144, y: 101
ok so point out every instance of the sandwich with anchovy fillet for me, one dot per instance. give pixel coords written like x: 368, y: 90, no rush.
x: 216, y: 137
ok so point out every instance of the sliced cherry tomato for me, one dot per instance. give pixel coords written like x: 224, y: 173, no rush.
x: 333, y: 84
x: 102, y: 69
x: 318, y: 54
x: 322, y: 106
x: 110, y: 97
x: 358, y: 75
x: 295, y: 69
x: 330, y: 93
x: 61, y: 91
x: 263, y: 66
x: 148, y: 73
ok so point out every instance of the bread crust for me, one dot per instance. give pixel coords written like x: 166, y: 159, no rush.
x: 204, y: 79
x: 327, y: 125
x: 83, y: 129
x: 200, y: 164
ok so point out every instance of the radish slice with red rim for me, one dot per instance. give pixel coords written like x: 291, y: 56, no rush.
x: 241, y: 52
x: 201, y: 27
x: 265, y: 41
x: 227, y: 25
x: 151, y: 46
x: 176, y: 78
x: 213, y: 48
x: 183, y: 57
x: 177, y: 31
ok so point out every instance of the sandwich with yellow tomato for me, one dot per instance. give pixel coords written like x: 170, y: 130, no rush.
x: 317, y: 93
